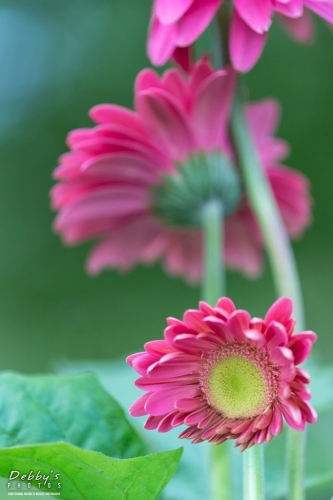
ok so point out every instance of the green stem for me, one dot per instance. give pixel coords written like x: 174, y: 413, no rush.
x: 213, y: 289
x: 263, y: 203
x: 214, y: 281
x: 281, y: 259
x: 295, y: 464
x: 253, y: 473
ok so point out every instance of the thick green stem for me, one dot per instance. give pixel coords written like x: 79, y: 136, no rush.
x: 281, y: 259
x: 214, y: 280
x: 213, y: 288
x: 253, y: 473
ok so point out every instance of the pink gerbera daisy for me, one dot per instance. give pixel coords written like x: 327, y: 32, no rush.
x: 176, y: 24
x: 226, y: 375
x: 138, y: 180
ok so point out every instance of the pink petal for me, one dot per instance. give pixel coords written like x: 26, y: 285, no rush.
x: 138, y: 407
x: 200, y: 71
x: 152, y: 423
x: 166, y: 423
x: 166, y: 120
x: 292, y: 8
x: 292, y: 414
x: 240, y: 427
x: 260, y: 437
x: 195, y: 417
x: 174, y: 83
x: 276, y: 426
x: 196, y: 345
x: 188, y: 405
x: 246, y: 45
x: 263, y: 421
x: 178, y: 419
x: 196, y: 20
x: 158, y: 348
x: 226, y: 304
x: 280, y: 356
x: 104, y: 203
x: 170, y: 11
x: 116, y: 251
x: 276, y: 335
x: 194, y: 320
x: 255, y: 13
x: 220, y: 328
x: 121, y: 167
x: 291, y: 190
x: 309, y: 413
x: 263, y: 117
x: 147, y: 79
x: 171, y: 332
x: 206, y: 309
x: 163, y: 384
x: 161, y: 42
x: 132, y: 357
x: 280, y: 311
x: 238, y: 322
x: 257, y: 324
x: 302, y: 375
x: 162, y: 402
x: 301, y: 345
x: 212, y: 108
x: 174, y: 369
x: 142, y: 363
x: 111, y: 113
x: 256, y: 337
x: 300, y: 390
x: 302, y: 28
x: 323, y: 9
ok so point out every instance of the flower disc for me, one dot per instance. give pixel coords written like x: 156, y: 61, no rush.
x: 236, y: 387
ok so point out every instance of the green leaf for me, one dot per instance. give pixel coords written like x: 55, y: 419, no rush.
x: 75, y: 409
x: 86, y: 475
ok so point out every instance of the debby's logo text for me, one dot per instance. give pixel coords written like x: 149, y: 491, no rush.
x: 18, y: 480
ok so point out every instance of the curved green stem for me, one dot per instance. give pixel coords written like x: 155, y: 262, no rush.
x: 281, y: 259
x: 213, y: 288
x: 263, y: 203
x: 253, y: 473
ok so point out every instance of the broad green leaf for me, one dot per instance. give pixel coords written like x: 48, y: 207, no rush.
x: 87, y: 475
x: 75, y: 409
x: 192, y: 477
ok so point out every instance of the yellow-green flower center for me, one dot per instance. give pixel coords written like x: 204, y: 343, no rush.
x: 236, y: 387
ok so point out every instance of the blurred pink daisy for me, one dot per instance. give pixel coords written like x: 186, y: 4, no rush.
x: 137, y: 180
x: 226, y: 375
x: 176, y: 24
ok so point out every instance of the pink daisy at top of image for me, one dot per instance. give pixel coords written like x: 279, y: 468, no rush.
x: 226, y: 375
x: 138, y: 179
x: 176, y: 24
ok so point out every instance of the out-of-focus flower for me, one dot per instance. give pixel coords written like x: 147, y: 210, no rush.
x: 176, y: 24
x: 138, y: 180
x: 226, y: 375
x: 250, y: 24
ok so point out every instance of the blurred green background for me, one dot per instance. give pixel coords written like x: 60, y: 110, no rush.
x: 59, y: 58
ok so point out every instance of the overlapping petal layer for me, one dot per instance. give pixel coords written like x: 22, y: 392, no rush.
x: 107, y: 178
x: 176, y: 373
x: 176, y: 25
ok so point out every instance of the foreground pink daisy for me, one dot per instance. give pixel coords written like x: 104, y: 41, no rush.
x: 176, y: 24
x: 137, y: 181
x: 226, y: 375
